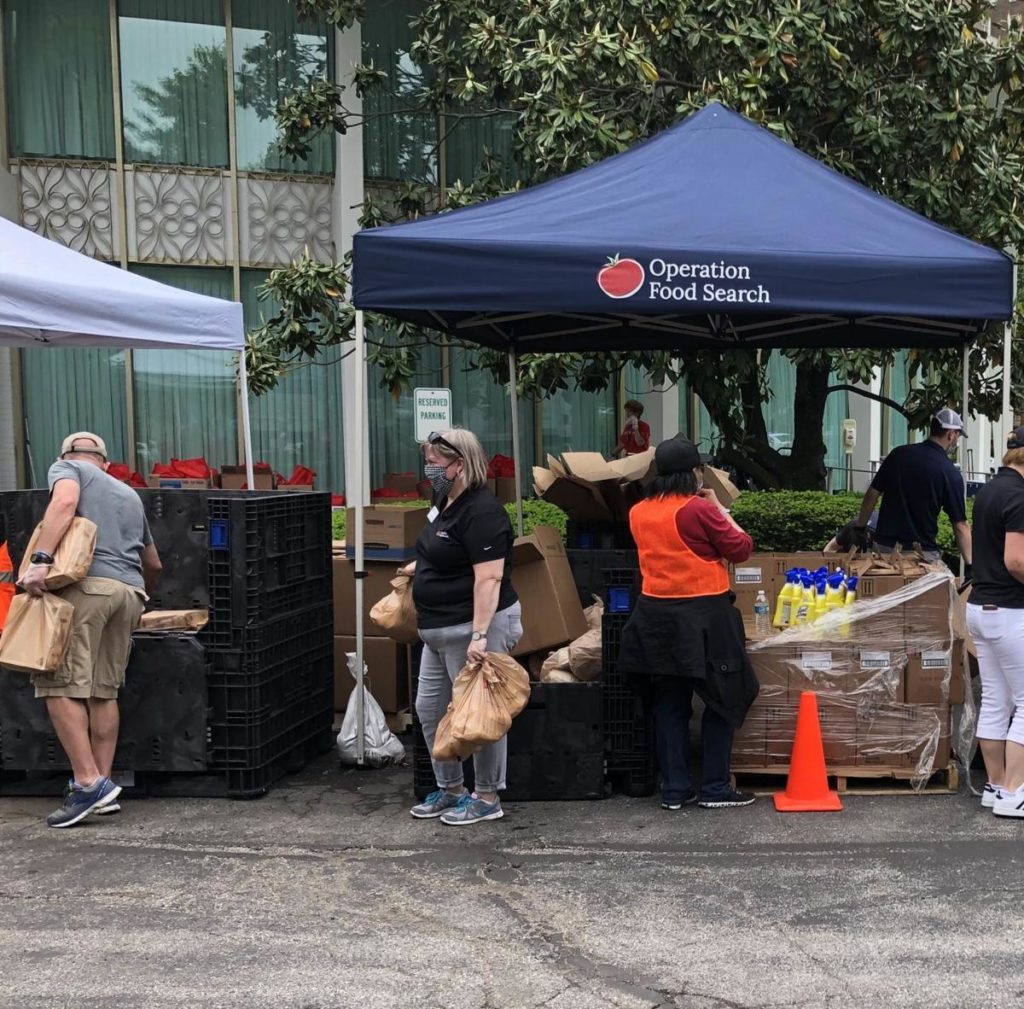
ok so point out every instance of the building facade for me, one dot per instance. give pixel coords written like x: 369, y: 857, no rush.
x: 141, y: 132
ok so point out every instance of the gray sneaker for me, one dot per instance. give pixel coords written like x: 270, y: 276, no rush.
x: 469, y: 809
x: 436, y: 803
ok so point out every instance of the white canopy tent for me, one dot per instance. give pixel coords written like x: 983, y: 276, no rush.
x: 52, y: 296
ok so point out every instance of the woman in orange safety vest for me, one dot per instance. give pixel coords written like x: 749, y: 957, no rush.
x: 684, y: 634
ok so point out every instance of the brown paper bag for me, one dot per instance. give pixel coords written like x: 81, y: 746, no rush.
x: 72, y: 558
x: 174, y: 620
x: 485, y: 699
x: 36, y: 634
x: 395, y: 614
x: 585, y: 656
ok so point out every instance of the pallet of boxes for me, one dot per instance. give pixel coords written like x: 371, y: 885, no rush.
x: 887, y: 668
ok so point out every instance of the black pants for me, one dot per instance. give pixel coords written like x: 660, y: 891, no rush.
x: 673, y: 705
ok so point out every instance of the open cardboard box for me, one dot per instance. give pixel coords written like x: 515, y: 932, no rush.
x: 725, y: 490
x: 589, y: 488
x: 552, y: 612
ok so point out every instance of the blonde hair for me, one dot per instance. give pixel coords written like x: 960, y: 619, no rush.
x: 474, y: 460
x: 1014, y: 457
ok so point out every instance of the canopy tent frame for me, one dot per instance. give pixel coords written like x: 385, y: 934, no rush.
x: 839, y: 265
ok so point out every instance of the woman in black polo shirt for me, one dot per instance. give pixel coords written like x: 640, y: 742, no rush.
x: 995, y: 617
x: 465, y: 606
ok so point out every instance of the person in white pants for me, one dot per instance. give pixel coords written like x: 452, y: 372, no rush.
x: 995, y: 618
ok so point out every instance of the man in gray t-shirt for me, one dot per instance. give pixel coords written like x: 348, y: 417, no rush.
x: 81, y: 696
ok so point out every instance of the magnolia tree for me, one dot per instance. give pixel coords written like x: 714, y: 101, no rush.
x: 912, y: 100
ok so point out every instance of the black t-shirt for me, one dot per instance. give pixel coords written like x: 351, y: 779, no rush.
x: 916, y: 483
x: 998, y: 510
x: 474, y: 529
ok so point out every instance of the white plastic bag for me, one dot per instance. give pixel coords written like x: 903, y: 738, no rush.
x: 383, y: 748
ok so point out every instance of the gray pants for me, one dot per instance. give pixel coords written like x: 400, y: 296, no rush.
x: 444, y: 655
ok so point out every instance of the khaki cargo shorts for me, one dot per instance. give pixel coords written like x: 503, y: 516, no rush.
x: 106, y: 613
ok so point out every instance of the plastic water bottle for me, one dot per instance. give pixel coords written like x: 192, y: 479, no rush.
x: 762, y: 615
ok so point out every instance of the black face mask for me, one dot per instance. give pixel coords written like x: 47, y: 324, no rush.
x: 439, y: 479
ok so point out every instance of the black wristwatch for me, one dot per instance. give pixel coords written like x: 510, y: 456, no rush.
x: 40, y: 557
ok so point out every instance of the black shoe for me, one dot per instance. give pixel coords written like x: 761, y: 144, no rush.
x: 727, y: 799
x: 689, y: 797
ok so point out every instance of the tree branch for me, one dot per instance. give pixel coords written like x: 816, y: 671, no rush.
x: 868, y: 394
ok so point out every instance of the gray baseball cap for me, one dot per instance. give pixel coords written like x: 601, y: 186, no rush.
x: 950, y: 420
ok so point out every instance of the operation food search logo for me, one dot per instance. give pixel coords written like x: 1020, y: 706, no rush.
x: 681, y: 282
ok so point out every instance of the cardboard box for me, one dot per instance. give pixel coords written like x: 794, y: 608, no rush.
x: 928, y: 617
x: 725, y: 490
x: 296, y: 488
x: 387, y: 672
x: 810, y: 559
x: 838, y: 718
x: 503, y: 488
x: 589, y: 488
x: 234, y: 478
x: 376, y: 586
x: 935, y: 676
x: 552, y: 612
x: 919, y: 733
x: 772, y: 668
x: 389, y: 533
x: 401, y: 483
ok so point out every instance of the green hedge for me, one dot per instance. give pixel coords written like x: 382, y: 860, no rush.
x: 793, y: 520
x: 807, y: 520
x: 535, y: 513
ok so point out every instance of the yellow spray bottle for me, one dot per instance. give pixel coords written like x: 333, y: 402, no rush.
x: 784, y: 604
x: 820, y: 600
x: 835, y: 594
x: 803, y: 610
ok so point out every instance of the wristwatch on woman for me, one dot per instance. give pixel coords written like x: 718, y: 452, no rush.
x: 41, y: 557
x: 478, y: 636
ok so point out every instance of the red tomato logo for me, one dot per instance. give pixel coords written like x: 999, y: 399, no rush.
x: 620, y: 278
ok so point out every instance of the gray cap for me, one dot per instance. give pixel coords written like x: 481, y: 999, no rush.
x: 950, y: 420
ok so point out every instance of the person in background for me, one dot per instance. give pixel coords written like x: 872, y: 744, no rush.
x: 684, y: 634
x: 636, y: 434
x: 465, y: 607
x: 853, y: 537
x: 915, y: 483
x: 995, y: 618
x: 81, y: 696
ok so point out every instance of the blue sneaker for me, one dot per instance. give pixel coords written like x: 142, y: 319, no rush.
x: 470, y: 809
x: 80, y: 802
x: 436, y: 803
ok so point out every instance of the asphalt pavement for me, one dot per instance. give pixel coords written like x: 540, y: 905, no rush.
x: 326, y: 894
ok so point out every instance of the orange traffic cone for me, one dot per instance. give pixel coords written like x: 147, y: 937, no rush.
x: 807, y: 785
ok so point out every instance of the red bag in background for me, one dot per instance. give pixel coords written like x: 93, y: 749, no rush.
x: 120, y: 471
x: 301, y: 476
x: 501, y: 466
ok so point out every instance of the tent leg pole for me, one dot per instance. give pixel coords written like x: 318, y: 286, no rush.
x: 1007, y: 424
x: 513, y: 375
x: 962, y: 453
x: 359, y: 442
x: 243, y: 374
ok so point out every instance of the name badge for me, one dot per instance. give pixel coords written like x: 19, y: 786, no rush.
x: 432, y: 514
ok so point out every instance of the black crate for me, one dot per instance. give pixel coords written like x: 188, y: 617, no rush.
x: 588, y: 567
x: 628, y: 721
x: 252, y: 782
x: 599, y: 536
x: 555, y: 747
x: 179, y: 522
x: 272, y: 641
x: 163, y: 707
x: 270, y: 556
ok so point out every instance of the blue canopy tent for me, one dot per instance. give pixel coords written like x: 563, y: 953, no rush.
x: 713, y: 235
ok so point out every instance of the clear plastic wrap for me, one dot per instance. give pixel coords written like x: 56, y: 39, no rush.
x: 886, y: 670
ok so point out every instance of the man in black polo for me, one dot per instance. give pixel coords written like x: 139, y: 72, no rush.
x: 915, y: 483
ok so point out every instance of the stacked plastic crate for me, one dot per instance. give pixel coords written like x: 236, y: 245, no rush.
x: 628, y: 726
x: 270, y: 636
